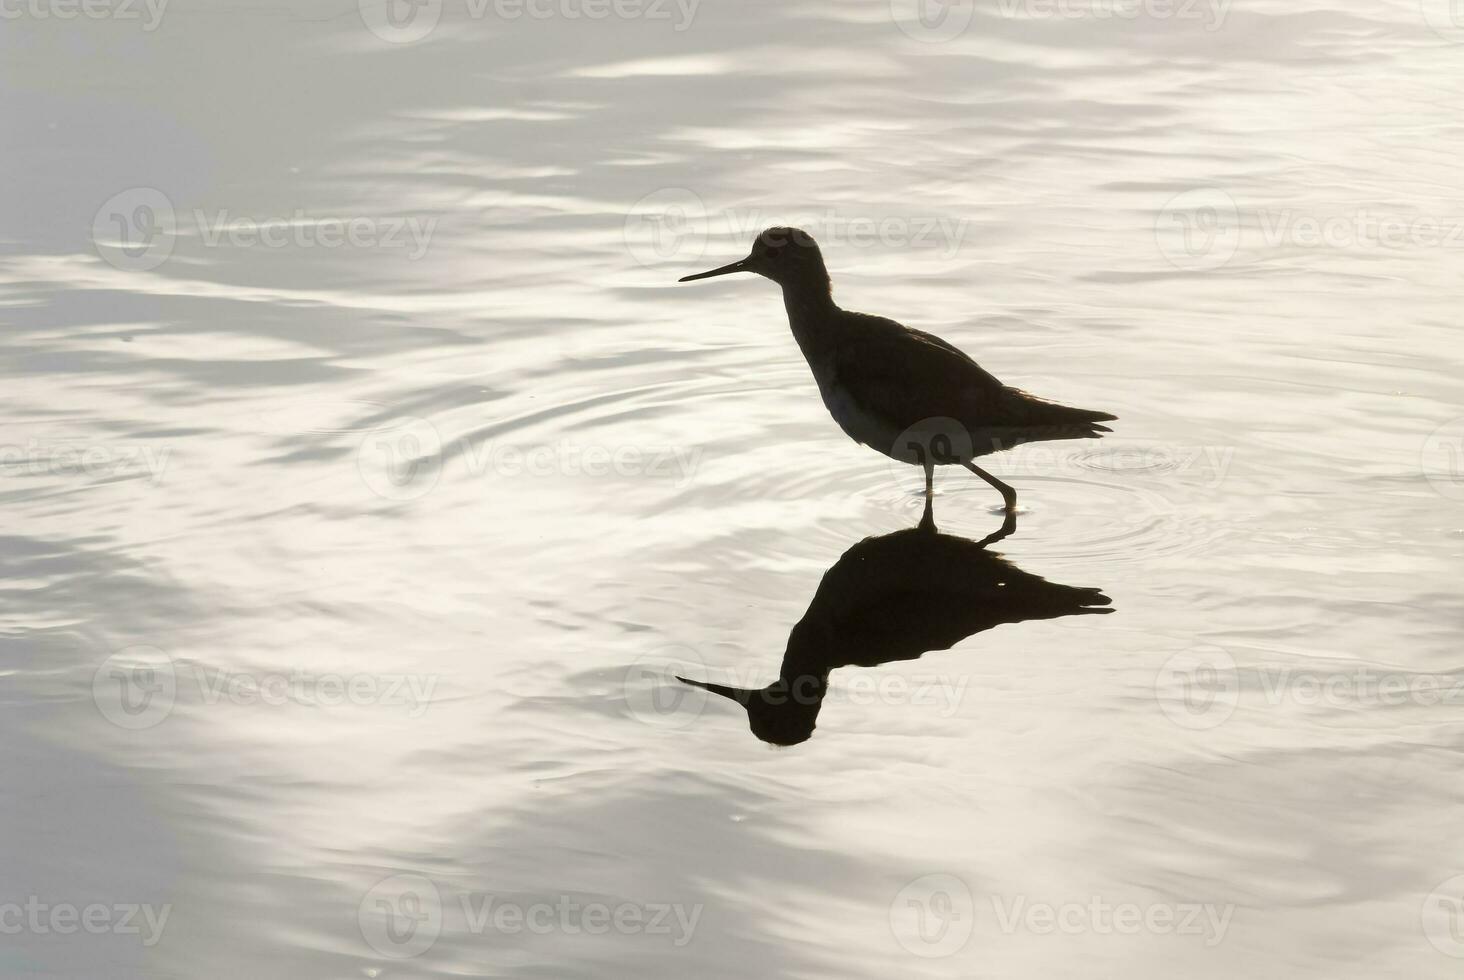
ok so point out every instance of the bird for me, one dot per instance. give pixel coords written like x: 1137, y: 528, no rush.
x: 891, y: 598
x: 903, y: 392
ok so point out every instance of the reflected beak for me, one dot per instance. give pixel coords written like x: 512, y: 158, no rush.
x: 741, y: 266
x: 735, y: 693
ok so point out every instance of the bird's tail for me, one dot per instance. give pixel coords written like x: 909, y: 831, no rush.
x: 1061, y: 421
x: 1091, y: 601
x: 1090, y: 419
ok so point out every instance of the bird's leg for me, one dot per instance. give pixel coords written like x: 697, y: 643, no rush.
x: 1006, y: 529
x: 1008, y: 496
x: 927, y: 521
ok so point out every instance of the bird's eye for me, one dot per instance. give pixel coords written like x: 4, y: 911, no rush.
x: 773, y: 251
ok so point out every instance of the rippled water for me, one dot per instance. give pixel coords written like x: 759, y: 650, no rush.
x: 367, y: 476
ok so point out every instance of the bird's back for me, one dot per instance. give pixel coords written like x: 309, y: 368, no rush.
x: 908, y: 376
x: 898, y: 596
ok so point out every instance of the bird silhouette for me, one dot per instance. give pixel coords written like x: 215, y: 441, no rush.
x: 893, y: 598
x: 903, y: 392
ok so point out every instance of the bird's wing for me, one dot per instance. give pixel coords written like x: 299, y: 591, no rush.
x: 906, y: 376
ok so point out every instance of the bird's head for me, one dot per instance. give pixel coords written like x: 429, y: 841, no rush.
x: 783, y: 713
x: 787, y: 256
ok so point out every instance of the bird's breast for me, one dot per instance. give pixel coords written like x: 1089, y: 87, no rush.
x: 857, y: 421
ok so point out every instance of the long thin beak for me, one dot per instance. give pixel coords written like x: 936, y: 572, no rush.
x: 735, y: 693
x: 740, y: 266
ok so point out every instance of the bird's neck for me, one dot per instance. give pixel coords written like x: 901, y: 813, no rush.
x: 811, y: 655
x: 811, y: 310
x: 805, y: 690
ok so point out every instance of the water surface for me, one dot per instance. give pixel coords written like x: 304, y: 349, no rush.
x: 343, y: 582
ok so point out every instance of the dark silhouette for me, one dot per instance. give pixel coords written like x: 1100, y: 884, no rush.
x: 903, y: 392
x: 892, y: 598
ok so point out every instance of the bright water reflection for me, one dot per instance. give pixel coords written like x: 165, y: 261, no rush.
x: 365, y: 489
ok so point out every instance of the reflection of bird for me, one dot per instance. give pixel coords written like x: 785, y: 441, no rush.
x: 894, y: 598
x: 908, y: 394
